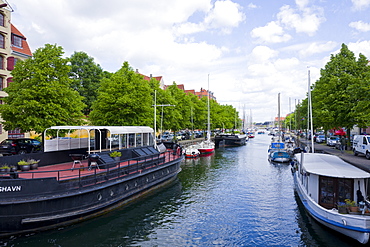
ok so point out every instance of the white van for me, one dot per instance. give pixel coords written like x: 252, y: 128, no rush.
x: 361, y: 145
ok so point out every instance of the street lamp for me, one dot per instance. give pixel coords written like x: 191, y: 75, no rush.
x: 155, y: 114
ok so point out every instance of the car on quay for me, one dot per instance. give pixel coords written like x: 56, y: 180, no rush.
x: 19, y: 146
x: 320, y: 139
x: 332, y: 141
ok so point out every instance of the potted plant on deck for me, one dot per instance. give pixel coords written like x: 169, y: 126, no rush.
x: 24, y: 165
x: 116, y: 155
x: 4, y: 169
x: 351, y: 205
x: 342, y: 208
x: 34, y: 164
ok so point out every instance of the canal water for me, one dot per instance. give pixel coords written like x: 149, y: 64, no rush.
x: 234, y: 197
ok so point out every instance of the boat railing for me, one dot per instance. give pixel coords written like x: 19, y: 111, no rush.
x: 108, y: 171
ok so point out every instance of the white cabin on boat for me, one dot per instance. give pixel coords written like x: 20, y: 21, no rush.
x: 97, y: 137
x: 324, y: 183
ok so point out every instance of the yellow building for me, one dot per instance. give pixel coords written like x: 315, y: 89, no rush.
x: 13, y: 47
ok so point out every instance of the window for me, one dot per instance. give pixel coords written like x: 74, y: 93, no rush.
x: 1, y: 19
x: 17, y: 41
x: 10, y: 63
x: 2, y: 41
x: 1, y: 83
x: 1, y: 62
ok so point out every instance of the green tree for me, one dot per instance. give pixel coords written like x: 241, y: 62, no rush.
x: 40, y: 95
x: 86, y: 77
x: 123, y: 99
x: 331, y: 91
x: 359, y: 92
x: 181, y: 113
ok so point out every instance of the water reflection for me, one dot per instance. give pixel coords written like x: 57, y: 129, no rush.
x: 233, y: 197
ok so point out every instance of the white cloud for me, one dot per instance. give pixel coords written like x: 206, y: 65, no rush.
x: 272, y: 33
x: 261, y: 54
x: 362, y: 47
x: 286, y: 64
x: 252, y: 6
x: 225, y: 15
x: 360, y: 26
x: 306, y: 20
x: 316, y: 48
x: 301, y: 3
x: 360, y: 4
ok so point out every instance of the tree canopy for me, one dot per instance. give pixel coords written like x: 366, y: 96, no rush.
x: 40, y: 95
x: 123, y: 99
x: 86, y: 76
x: 340, y: 97
x: 49, y: 90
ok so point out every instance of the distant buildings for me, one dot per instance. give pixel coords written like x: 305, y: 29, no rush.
x: 13, y: 47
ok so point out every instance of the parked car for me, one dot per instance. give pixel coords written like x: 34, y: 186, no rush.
x: 19, y: 146
x: 332, y: 140
x: 320, y: 139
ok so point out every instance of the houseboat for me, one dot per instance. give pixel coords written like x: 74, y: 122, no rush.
x: 78, y: 179
x: 230, y: 140
x: 334, y: 193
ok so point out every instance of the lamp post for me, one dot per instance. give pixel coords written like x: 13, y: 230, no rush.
x: 155, y: 115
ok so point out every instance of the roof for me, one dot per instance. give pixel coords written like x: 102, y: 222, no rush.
x: 330, y: 166
x: 25, y: 48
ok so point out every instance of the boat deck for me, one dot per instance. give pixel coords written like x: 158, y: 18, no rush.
x: 66, y: 171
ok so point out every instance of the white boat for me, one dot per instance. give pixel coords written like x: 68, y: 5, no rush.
x: 191, y: 152
x: 324, y: 183
x: 207, y: 146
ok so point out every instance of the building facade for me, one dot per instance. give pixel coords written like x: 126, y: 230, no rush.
x: 13, y: 47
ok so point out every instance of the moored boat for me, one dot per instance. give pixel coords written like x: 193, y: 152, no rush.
x: 279, y: 156
x: 206, y: 147
x: 230, y: 140
x: 191, y: 152
x: 325, y: 184
x: 277, y: 152
x: 64, y: 190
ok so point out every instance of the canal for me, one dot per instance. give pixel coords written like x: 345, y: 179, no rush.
x: 234, y: 197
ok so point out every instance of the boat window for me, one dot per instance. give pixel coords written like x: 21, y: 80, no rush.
x: 138, y: 140
x: 327, y: 192
x: 124, y: 141
x: 148, y: 139
x: 334, y: 190
x: 131, y: 140
x: 345, y: 189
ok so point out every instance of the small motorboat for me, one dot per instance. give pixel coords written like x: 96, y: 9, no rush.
x: 191, y: 152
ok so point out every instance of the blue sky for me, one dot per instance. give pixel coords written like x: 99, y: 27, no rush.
x: 252, y: 50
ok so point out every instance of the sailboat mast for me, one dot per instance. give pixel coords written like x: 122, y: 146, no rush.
x: 208, y: 116
x: 279, y: 117
x: 310, y: 104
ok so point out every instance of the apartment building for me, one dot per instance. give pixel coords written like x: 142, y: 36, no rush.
x: 13, y: 47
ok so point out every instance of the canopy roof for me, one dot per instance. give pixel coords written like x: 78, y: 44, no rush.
x: 330, y: 166
x: 112, y: 129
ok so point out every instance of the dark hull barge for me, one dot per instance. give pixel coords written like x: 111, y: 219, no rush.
x: 77, y: 179
x: 230, y: 140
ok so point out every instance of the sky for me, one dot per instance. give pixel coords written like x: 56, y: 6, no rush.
x: 245, y: 52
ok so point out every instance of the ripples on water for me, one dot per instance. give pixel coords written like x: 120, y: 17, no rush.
x: 234, y: 197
